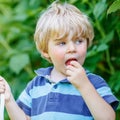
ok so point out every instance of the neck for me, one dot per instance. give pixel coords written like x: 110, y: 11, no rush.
x: 56, y: 76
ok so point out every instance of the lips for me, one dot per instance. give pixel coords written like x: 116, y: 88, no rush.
x: 69, y: 61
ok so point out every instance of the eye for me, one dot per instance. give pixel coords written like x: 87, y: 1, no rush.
x: 61, y: 43
x: 78, y: 42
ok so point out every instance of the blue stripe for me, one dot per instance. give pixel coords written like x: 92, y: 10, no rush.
x: 60, y: 116
x: 60, y: 103
x: 25, y: 108
x: 97, y: 80
x: 111, y: 100
x: 37, y: 81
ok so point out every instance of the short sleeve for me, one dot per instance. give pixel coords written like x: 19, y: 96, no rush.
x: 24, y: 101
x: 104, y: 90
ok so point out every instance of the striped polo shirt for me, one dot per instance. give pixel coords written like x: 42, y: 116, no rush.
x: 44, y: 100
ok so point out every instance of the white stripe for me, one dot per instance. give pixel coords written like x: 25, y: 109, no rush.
x: 25, y: 98
x: 103, y: 91
x: 40, y: 91
x: 60, y: 116
x: 67, y: 89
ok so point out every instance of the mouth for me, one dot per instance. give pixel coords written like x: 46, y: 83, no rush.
x: 69, y: 61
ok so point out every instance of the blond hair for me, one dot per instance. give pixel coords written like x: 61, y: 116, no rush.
x: 59, y: 21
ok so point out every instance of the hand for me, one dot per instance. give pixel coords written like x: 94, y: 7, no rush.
x: 76, y: 74
x: 5, y: 89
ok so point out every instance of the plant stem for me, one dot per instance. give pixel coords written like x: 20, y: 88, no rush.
x: 109, y: 62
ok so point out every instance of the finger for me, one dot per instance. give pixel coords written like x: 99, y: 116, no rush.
x: 71, y: 68
x: 1, y: 78
x: 2, y: 89
x: 75, y: 64
x: 69, y: 73
x: 2, y: 82
x: 2, y: 85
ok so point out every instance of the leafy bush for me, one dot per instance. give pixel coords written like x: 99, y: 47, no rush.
x: 19, y: 57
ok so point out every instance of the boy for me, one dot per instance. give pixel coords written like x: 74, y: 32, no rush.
x: 65, y: 91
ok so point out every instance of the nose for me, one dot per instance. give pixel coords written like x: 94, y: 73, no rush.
x: 71, y: 47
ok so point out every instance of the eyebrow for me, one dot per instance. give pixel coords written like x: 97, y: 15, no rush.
x: 65, y: 39
x: 57, y: 40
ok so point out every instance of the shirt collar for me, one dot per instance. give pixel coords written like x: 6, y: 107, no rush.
x: 45, y: 72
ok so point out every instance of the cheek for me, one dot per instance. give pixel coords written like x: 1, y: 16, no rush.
x: 56, y: 54
x: 82, y: 51
x: 59, y: 54
x: 82, y: 54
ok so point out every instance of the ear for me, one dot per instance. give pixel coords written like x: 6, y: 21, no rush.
x: 45, y: 54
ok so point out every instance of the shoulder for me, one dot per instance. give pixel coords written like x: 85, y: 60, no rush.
x: 96, y: 80
x: 39, y: 79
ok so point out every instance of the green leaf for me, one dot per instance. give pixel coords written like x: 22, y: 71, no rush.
x: 114, y: 7
x: 72, y: 1
x: 115, y: 81
x: 99, y: 8
x: 102, y: 47
x: 108, y: 37
x: 18, y: 62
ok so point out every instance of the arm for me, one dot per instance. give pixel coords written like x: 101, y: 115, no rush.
x: 96, y: 104
x: 14, y: 112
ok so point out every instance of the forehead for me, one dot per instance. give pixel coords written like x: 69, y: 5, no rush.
x: 66, y: 34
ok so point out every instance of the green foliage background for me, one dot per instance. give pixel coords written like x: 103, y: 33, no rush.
x: 19, y: 57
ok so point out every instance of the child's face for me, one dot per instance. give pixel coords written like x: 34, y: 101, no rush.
x: 63, y: 51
